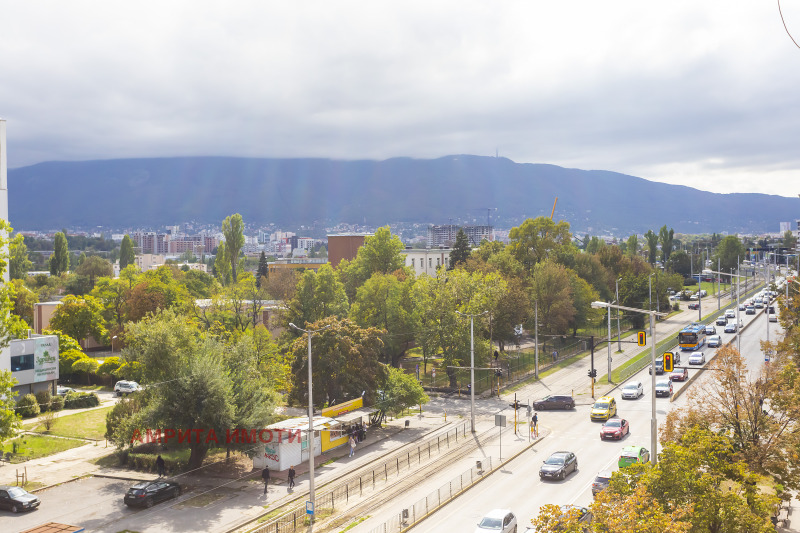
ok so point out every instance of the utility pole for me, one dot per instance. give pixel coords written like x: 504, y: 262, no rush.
x: 536, y: 338
x: 619, y: 337
x: 719, y: 293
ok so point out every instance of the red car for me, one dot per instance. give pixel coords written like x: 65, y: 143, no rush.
x: 614, y: 428
x: 679, y: 374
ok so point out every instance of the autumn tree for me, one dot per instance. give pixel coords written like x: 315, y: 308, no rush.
x: 233, y: 230
x: 127, y: 256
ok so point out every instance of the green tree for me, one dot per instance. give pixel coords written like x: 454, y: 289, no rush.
x: 23, y: 300
x: 233, y: 230
x: 652, y: 246
x: 729, y: 251
x: 263, y: 269
x: 95, y: 267
x: 9, y: 419
x: 461, y: 249
x: 679, y: 262
x: 595, y: 245
x: 666, y: 239
x: 112, y: 293
x: 126, y: 254
x: 85, y: 366
x: 552, y: 289
x: 59, y: 260
x: 632, y: 247
x: 222, y: 265
x: 319, y: 295
x: 536, y: 239
x: 583, y: 294
x: 789, y: 240
x: 400, y: 391
x: 513, y: 308
x: 19, y: 264
x: 380, y: 254
x: 79, y: 318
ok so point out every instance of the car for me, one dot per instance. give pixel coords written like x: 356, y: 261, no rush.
x: 749, y: 310
x: 62, y: 391
x: 773, y: 317
x: 604, y: 408
x: 126, y: 387
x: 703, y: 293
x: 710, y: 329
x: 632, y: 390
x: 615, y: 428
x: 147, y: 493
x: 731, y: 327
x: 674, y: 298
x: 714, y: 341
x: 582, y: 515
x: 759, y: 303
x: 17, y: 499
x: 771, y: 310
x: 633, y: 454
x: 721, y: 321
x: 679, y: 374
x: 498, y: 520
x: 694, y: 297
x: 554, y: 402
x: 694, y: 305
x: 697, y: 358
x: 659, y: 366
x: 601, y: 481
x: 558, y: 465
x: 664, y: 388
x: 742, y: 307
x: 730, y: 313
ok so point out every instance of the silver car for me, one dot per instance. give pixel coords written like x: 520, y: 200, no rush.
x: 697, y: 358
x: 633, y: 390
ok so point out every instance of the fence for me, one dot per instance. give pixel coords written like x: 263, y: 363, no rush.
x: 433, y: 501
x: 357, y: 485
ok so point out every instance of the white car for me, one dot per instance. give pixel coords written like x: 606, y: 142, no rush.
x: 632, y: 390
x: 697, y: 358
x: 498, y: 520
x: 731, y: 327
x: 730, y: 313
x: 714, y: 341
x: 62, y: 391
x: 773, y: 317
x: 126, y: 387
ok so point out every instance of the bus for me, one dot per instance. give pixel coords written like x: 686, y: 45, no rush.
x: 692, y: 337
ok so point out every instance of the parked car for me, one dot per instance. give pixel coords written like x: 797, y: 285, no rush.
x: 730, y: 327
x: 126, y: 387
x: 679, y: 374
x: 703, y: 293
x: 710, y: 329
x: 601, y: 481
x: 633, y: 454
x: 633, y: 390
x: 17, y: 499
x: 498, y: 520
x: 604, y: 408
x: 558, y: 465
x: 750, y: 310
x: 664, y: 388
x: 694, y: 305
x: 694, y: 297
x: 62, y: 391
x: 714, y: 341
x: 615, y: 428
x: 697, y: 358
x: 554, y: 402
x: 147, y: 493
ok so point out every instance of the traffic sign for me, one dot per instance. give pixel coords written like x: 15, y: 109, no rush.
x: 310, y: 508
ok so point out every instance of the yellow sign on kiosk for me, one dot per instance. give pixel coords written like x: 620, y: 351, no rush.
x: 342, y: 408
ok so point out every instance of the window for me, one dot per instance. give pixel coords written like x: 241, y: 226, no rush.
x: 437, y: 262
x: 430, y: 262
x: 412, y: 262
x: 22, y: 362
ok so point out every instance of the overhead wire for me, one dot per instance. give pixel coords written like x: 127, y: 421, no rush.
x: 786, y: 27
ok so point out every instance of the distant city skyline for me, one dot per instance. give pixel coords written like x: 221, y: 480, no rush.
x: 699, y: 94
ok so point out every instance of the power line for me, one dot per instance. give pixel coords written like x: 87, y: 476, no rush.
x: 785, y: 27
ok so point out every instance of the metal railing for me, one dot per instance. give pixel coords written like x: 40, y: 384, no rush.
x: 436, y: 499
x: 356, y: 486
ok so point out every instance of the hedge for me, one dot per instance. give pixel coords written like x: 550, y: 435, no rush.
x: 80, y: 400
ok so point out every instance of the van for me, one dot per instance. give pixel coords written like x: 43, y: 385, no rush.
x: 604, y: 408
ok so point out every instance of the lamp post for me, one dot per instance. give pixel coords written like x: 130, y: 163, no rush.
x: 308, y: 333
x: 653, y: 421
x: 619, y: 337
x: 472, y: 366
x: 112, y: 343
x: 738, y: 319
x: 650, y: 298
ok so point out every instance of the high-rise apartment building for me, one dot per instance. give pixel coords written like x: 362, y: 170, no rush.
x: 446, y: 235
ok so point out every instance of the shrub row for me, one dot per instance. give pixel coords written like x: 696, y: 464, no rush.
x: 80, y: 400
x: 147, y: 462
x: 32, y: 405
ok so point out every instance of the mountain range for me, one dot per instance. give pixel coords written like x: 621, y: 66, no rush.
x: 152, y: 192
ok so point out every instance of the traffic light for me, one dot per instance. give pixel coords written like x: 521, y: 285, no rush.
x: 668, y: 363
x: 592, y: 373
x: 516, y: 405
x: 642, y: 338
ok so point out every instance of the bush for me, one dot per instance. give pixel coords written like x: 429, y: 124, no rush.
x: 43, y: 398
x: 147, y: 463
x: 56, y: 403
x: 80, y: 400
x: 28, y: 406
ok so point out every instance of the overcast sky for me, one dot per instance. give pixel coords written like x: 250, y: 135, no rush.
x: 705, y: 94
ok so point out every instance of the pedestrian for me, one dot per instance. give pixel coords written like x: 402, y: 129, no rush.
x: 352, y: 446
x: 265, y: 477
x: 555, y: 356
x: 496, y: 355
x: 291, y: 477
x: 535, y: 424
x: 161, y: 466
x: 363, y: 433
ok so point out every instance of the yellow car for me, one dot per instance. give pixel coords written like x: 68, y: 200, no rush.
x: 604, y: 408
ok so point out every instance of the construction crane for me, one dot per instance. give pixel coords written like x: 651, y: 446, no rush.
x: 553, y: 212
x: 488, y: 213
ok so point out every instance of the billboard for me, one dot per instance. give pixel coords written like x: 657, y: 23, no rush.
x: 45, y: 358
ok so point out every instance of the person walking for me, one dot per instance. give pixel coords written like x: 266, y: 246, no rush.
x: 265, y: 477
x: 535, y: 424
x: 352, y: 446
x: 291, y: 477
x: 161, y: 466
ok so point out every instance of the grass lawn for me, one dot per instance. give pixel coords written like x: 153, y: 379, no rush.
x: 35, y: 446
x: 85, y: 425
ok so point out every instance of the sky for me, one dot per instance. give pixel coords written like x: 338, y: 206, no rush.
x: 704, y: 94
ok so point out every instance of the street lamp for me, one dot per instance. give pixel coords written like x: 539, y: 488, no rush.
x: 619, y: 337
x: 472, y: 365
x: 650, y: 298
x: 653, y: 422
x: 308, y: 333
x: 738, y: 319
x: 112, y: 343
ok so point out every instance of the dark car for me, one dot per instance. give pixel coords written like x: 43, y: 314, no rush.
x: 601, y: 481
x: 554, y: 402
x: 694, y: 305
x: 615, y: 428
x: 17, y: 499
x: 558, y: 465
x: 147, y: 493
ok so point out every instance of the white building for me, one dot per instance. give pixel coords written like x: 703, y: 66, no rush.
x: 427, y: 260
x: 33, y: 363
